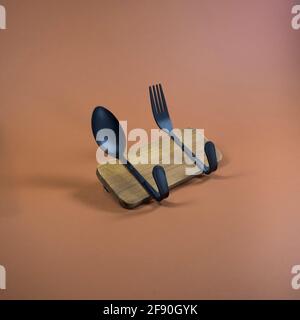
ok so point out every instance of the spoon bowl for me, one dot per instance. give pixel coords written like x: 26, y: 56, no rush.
x: 108, y: 132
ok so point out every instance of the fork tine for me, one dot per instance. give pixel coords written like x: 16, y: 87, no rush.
x: 156, y: 100
x: 154, y: 109
x: 163, y: 98
x: 161, y: 106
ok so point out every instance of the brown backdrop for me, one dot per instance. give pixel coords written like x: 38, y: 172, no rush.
x: 231, y: 67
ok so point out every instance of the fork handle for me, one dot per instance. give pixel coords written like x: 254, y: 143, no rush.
x: 189, y: 153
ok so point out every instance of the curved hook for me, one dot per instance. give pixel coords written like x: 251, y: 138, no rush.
x: 160, y: 178
x: 212, y: 159
x: 161, y: 181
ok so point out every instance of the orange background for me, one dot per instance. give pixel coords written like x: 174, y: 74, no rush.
x: 231, y: 67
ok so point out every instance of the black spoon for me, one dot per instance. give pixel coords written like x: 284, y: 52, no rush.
x: 104, y: 119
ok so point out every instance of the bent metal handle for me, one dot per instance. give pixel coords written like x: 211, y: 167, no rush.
x: 102, y: 118
x: 210, y: 153
x: 159, y: 176
x: 163, y: 120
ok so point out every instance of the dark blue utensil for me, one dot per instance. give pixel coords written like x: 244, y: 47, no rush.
x: 163, y: 120
x: 104, y: 119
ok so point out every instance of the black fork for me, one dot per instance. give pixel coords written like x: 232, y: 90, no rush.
x: 163, y: 120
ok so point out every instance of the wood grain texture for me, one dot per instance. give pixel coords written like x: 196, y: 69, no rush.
x: 117, y: 180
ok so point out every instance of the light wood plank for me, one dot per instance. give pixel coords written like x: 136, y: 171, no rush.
x: 117, y: 180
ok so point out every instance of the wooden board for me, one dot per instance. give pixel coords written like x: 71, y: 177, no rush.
x: 118, y: 181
